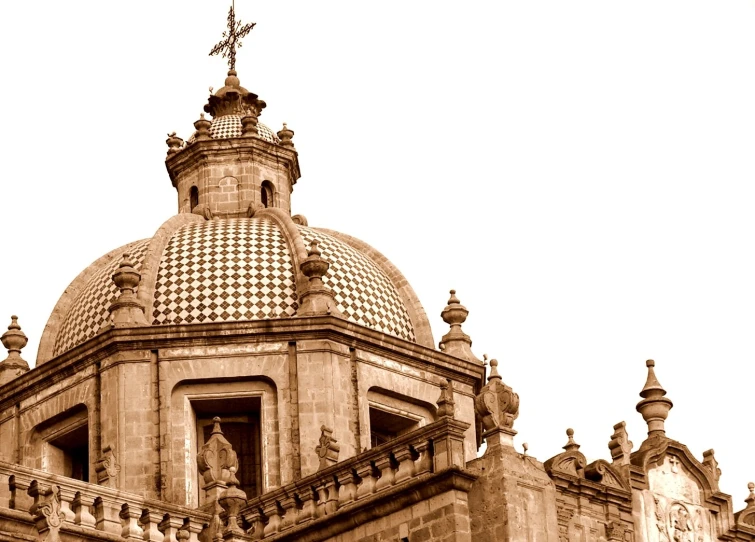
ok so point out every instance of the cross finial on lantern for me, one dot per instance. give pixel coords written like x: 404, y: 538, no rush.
x: 231, y: 38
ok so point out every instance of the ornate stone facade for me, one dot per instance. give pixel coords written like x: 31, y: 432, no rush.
x: 244, y: 376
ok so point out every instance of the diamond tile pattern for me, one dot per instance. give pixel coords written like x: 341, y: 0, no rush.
x: 239, y: 269
x: 225, y: 270
x: 89, y: 312
x: 230, y: 126
x: 364, y: 294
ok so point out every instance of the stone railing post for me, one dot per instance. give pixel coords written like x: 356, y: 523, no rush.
x: 82, y: 506
x: 19, y: 496
x: 308, y: 511
x: 449, y: 448
x: 347, y: 492
x: 273, y: 518
x: 107, y: 515
x: 387, y: 473
x: 170, y: 526
x: 367, y: 485
x: 424, y: 462
x: 405, y: 462
x: 254, y: 518
x: 150, y: 524
x: 322, y: 500
x: 130, y: 528
x: 288, y: 503
x: 66, y: 499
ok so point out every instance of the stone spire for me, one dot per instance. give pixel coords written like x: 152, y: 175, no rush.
x: 318, y: 299
x: 456, y: 342
x: 654, y: 406
x: 127, y: 310
x: 14, y: 340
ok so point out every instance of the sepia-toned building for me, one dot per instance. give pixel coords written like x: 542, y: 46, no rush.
x: 242, y: 375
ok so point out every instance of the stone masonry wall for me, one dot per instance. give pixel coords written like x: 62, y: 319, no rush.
x: 442, y: 518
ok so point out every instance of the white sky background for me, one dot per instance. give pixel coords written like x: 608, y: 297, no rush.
x: 580, y: 171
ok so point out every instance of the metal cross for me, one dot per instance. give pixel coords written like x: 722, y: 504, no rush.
x: 231, y: 38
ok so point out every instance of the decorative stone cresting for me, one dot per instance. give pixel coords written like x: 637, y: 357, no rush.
x: 747, y: 516
x: 620, y: 445
x: 14, y: 340
x: 215, y: 461
x: 318, y: 300
x: 497, y: 406
x: 107, y: 468
x: 127, y: 310
x: 327, y: 450
x: 654, y: 406
x: 446, y: 403
x: 710, y: 463
x: 456, y: 342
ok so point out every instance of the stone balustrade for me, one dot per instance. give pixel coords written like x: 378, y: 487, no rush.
x: 62, y: 506
x: 358, y: 481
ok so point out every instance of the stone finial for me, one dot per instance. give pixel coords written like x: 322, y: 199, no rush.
x: 570, y: 446
x: 456, y: 342
x: 14, y: 340
x: 286, y: 135
x: 710, y: 462
x: 446, y: 403
x: 202, y: 126
x: 249, y: 126
x: 747, y: 515
x: 215, y: 461
x: 496, y: 407
x: 750, y: 500
x: 620, y: 445
x: 127, y: 310
x: 232, y: 500
x: 174, y: 143
x: 654, y: 406
x: 107, y: 467
x: 327, y: 450
x: 317, y: 299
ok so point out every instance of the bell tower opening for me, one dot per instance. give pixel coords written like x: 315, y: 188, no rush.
x: 193, y: 197
x: 266, y: 194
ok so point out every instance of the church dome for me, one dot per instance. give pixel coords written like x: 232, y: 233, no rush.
x: 200, y: 271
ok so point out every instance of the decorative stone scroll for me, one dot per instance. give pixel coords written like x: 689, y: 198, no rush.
x: 107, y: 468
x: 446, y: 403
x: 710, y: 463
x: 327, y: 450
x: 46, y: 511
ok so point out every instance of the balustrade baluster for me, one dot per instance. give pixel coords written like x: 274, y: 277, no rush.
x: 308, y: 511
x: 331, y: 504
x: 288, y: 503
x: 425, y: 461
x: 130, y: 523
x: 387, y: 473
x: 367, y: 485
x: 322, y: 500
x: 66, y: 498
x: 150, y: 522
x: 170, y: 527
x: 19, y: 496
x: 82, y: 506
x: 273, y: 518
x: 405, y: 460
x: 254, y: 518
x: 107, y: 515
x: 347, y: 492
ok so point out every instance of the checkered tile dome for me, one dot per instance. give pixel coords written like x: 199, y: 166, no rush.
x: 233, y: 270
x: 230, y: 126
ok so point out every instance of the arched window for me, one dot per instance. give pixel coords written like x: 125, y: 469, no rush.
x: 267, y: 194
x: 193, y: 197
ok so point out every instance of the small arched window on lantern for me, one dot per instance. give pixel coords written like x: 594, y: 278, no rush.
x: 193, y: 197
x: 267, y: 194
